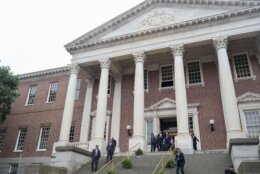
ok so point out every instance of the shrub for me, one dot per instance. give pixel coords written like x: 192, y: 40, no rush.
x: 170, y: 164
x: 111, y: 172
x: 160, y: 172
x: 139, y: 152
x: 127, y: 164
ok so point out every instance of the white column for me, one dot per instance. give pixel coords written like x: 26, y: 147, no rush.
x: 69, y: 106
x: 84, y: 131
x: 183, y: 138
x: 228, y: 96
x: 116, y: 112
x: 101, y: 105
x: 138, y: 125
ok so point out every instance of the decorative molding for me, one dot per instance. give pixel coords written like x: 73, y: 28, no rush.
x: 177, y: 50
x: 74, y: 68
x: 45, y: 73
x: 86, y: 41
x: 104, y: 63
x: 139, y: 56
x: 220, y: 42
x: 158, y: 18
x: 248, y: 97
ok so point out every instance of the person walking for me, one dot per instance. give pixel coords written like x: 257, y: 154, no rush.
x: 110, y: 150
x: 194, y: 140
x: 95, y: 157
x: 180, y: 160
x: 114, y: 143
x: 230, y: 170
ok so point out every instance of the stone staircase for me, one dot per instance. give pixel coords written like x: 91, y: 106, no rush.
x: 202, y: 162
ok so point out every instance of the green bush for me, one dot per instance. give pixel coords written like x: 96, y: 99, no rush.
x: 160, y: 172
x: 127, y: 164
x: 170, y: 164
x: 111, y: 172
x: 139, y: 152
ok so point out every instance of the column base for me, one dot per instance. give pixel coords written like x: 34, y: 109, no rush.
x: 100, y: 142
x: 184, y: 142
x: 137, y: 140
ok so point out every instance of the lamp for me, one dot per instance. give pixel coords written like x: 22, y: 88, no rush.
x: 129, y: 130
x: 212, y: 122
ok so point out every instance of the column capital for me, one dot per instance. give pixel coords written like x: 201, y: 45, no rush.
x: 139, y: 56
x: 177, y: 49
x: 104, y: 63
x: 74, y: 68
x: 90, y: 83
x: 220, y: 42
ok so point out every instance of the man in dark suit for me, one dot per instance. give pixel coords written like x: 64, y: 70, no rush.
x: 194, y: 140
x: 179, y: 158
x: 114, y: 142
x: 95, y: 157
x: 110, y: 150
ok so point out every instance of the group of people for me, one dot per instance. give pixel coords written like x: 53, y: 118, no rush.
x: 96, y: 154
x: 162, y: 141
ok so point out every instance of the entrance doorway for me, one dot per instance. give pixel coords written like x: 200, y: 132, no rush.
x: 169, y: 125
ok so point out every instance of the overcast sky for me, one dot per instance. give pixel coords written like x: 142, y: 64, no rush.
x: 33, y: 32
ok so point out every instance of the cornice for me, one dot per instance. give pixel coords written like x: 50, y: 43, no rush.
x: 44, y: 73
x: 248, y: 97
x: 84, y: 42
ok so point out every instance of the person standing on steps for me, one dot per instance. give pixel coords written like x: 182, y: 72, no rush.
x: 180, y: 160
x: 114, y: 143
x: 194, y: 140
x: 95, y: 157
x: 110, y: 150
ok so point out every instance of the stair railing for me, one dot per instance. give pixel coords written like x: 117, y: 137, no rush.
x: 115, y: 162
x: 161, y: 164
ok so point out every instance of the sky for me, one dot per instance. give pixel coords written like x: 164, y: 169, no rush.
x: 33, y: 32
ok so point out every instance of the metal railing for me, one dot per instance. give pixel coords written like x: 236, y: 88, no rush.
x: 115, y: 162
x: 163, y: 161
x: 80, y: 145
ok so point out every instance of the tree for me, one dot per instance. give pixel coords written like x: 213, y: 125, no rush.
x: 8, y: 87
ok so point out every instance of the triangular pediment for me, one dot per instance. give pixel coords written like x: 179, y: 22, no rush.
x: 248, y: 98
x: 158, y: 16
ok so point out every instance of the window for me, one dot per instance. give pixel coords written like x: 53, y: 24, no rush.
x: 190, y: 124
x: 43, y: 141
x: 149, y: 130
x: 109, y: 85
x: 31, y: 95
x: 145, y: 79
x: 166, y: 76
x: 252, y: 118
x: 242, y: 66
x: 71, y: 137
x: 13, y: 168
x: 194, y: 72
x: 2, y: 138
x: 21, y: 139
x: 52, y: 92
x: 78, y: 89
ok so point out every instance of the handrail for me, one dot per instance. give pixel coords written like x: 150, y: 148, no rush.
x: 113, y: 160
x: 161, y: 161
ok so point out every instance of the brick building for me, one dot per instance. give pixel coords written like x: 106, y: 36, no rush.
x: 175, y: 66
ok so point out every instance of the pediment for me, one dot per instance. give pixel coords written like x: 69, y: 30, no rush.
x: 167, y: 104
x: 248, y: 98
x: 158, y: 16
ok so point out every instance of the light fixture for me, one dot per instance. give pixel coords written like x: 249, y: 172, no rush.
x: 129, y: 130
x: 212, y: 122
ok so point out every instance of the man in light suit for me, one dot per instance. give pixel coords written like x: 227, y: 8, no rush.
x: 179, y: 158
x: 95, y: 157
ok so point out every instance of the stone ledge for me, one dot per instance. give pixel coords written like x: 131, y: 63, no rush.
x: 73, y: 149
x: 242, y: 141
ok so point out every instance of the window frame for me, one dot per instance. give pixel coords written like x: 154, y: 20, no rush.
x: 201, y: 74
x: 78, y: 87
x: 18, y: 138
x: 50, y: 91
x: 2, y: 134
x: 28, y: 95
x: 39, y: 139
x: 11, y: 166
x: 72, y: 134
x: 252, y: 76
x: 109, y: 85
x: 147, y: 81
x: 160, y: 77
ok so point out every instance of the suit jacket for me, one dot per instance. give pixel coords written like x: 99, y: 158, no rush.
x: 179, y: 157
x: 110, y: 147
x: 95, y: 155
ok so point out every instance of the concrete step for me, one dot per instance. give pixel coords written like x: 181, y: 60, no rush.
x: 199, y: 163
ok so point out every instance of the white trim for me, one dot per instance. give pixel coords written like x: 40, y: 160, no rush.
x: 29, y: 91
x: 17, y: 140
x: 202, y: 83
x: 78, y: 79
x: 160, y: 77
x: 39, y: 140
x: 47, y: 101
x: 252, y: 76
